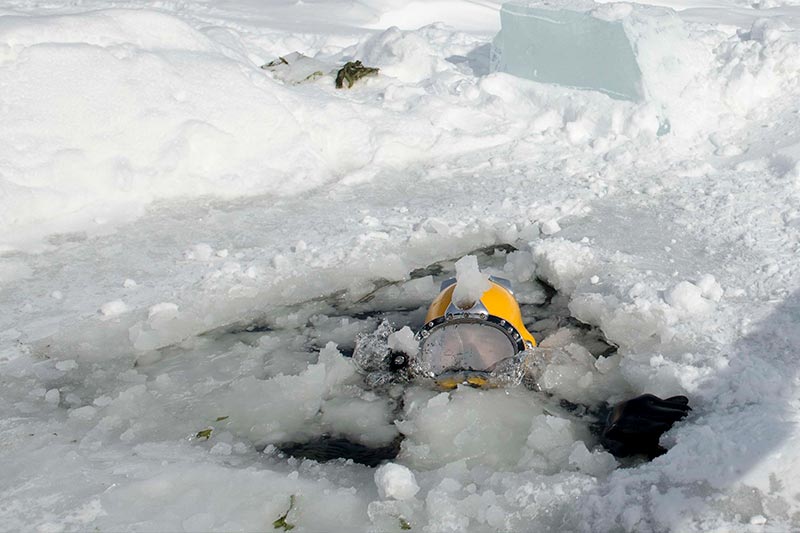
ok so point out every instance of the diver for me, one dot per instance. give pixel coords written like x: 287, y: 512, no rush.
x: 483, y: 342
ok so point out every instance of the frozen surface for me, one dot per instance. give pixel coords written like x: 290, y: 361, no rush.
x: 191, y: 246
x: 568, y: 47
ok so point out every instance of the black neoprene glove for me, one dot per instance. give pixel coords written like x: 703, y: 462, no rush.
x: 634, y: 426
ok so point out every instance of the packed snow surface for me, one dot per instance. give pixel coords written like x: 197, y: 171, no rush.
x: 184, y: 237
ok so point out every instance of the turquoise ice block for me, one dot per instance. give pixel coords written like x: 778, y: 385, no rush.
x: 567, y: 47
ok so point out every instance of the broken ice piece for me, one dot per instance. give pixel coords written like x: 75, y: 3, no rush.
x: 471, y: 282
x: 571, y: 47
x: 113, y: 308
x: 395, y: 481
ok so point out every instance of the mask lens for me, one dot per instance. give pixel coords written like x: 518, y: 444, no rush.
x: 465, y: 346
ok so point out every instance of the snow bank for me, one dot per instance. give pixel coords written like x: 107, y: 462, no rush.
x: 110, y: 110
x: 640, y: 52
x: 113, y: 109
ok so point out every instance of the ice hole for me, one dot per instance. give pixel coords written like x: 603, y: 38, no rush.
x: 289, y: 381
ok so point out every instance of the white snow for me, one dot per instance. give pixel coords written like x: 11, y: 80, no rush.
x: 148, y: 161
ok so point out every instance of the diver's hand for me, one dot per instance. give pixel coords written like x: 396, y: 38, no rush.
x: 635, y: 426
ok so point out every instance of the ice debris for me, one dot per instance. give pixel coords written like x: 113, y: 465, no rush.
x: 396, y: 481
x: 113, y: 308
x: 471, y: 282
x: 404, y: 341
x: 688, y: 298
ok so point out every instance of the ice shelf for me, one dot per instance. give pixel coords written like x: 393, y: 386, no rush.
x: 566, y: 46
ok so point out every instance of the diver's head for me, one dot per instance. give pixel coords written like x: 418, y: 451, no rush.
x: 467, y: 343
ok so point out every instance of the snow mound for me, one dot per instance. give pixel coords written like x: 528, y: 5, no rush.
x: 143, y: 29
x: 407, y: 56
x: 110, y: 110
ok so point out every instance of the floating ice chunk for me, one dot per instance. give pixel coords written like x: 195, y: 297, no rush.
x: 568, y: 370
x: 519, y: 266
x: 568, y: 47
x: 688, y: 297
x: 113, y: 308
x: 404, y: 341
x: 102, y: 401
x: 396, y: 481
x: 369, y: 422
x: 564, y: 264
x: 471, y: 282
x: 387, y: 515
x: 439, y: 400
x: 53, y: 396
x: 486, y: 427
x: 597, y: 463
x: 200, y: 252
x: 162, y: 312
x: 548, y: 446
x: 66, y: 365
x: 710, y: 288
x: 550, y: 227
x: 338, y: 369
